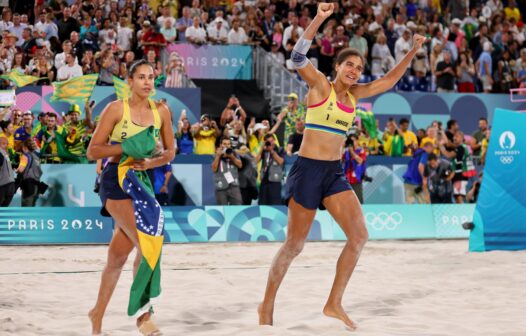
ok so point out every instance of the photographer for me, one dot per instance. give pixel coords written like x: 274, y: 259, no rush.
x: 437, y: 184
x: 354, y: 165
x: 232, y: 111
x: 271, y: 173
x: 226, y: 177
x: 29, y: 174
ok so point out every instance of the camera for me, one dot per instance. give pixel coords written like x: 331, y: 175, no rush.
x: 228, y: 151
x: 446, y: 173
x: 267, y: 144
x: 233, y: 107
x: 366, y: 178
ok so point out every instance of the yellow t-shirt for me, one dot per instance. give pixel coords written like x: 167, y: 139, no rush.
x: 409, y: 139
x: 512, y: 13
x: 205, y: 143
x: 10, y: 140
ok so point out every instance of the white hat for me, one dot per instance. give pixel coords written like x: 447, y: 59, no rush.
x: 456, y: 21
x: 349, y: 21
x: 146, y: 23
x: 259, y: 126
x: 411, y: 25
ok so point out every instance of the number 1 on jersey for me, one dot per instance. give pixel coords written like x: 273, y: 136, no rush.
x: 327, y: 116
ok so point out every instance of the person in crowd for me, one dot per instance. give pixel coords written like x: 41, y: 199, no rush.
x: 248, y: 175
x: 70, y: 69
x: 195, y: 34
x: 414, y: 175
x: 77, y: 130
x: 232, y: 111
x: 226, y: 167
x: 185, y: 139
x: 410, y: 140
x: 271, y: 171
x: 50, y: 137
x: 30, y: 171
x: 354, y: 165
x: 478, y: 137
x: 237, y: 34
x: 205, y: 134
x: 393, y: 142
x: 292, y: 112
x: 295, y: 139
x: 8, y: 131
x: 7, y: 177
x: 23, y: 132
x: 237, y: 134
x: 436, y: 181
x: 160, y: 177
x: 465, y: 73
x: 484, y: 67
x: 462, y: 165
x: 446, y: 74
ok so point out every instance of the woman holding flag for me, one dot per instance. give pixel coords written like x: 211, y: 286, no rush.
x: 133, y: 125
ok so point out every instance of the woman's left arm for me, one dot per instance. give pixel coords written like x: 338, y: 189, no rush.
x: 388, y: 81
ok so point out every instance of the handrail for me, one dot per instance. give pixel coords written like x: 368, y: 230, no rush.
x: 276, y: 81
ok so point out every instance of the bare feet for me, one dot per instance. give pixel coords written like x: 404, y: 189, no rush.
x: 337, y: 311
x: 96, y: 322
x: 265, y: 314
x: 146, y: 326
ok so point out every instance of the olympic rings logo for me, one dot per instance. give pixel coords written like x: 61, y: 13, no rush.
x: 506, y: 159
x: 383, y: 220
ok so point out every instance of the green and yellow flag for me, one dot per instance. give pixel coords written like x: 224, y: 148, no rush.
x: 75, y: 90
x: 149, y: 220
x: 20, y: 80
x: 368, y: 121
x: 122, y: 89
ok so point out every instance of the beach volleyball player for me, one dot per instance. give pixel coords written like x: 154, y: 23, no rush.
x: 119, y: 121
x: 316, y: 179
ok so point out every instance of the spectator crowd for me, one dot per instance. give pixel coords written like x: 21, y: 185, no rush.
x: 473, y: 46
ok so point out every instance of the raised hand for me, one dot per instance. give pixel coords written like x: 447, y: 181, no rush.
x: 325, y: 10
x: 418, y: 40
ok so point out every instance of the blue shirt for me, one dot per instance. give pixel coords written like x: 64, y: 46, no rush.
x: 185, y: 144
x: 159, y: 177
x: 485, y: 58
x: 21, y: 134
x: 412, y: 175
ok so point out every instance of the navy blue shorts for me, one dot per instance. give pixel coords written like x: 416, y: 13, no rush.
x: 310, y: 181
x: 109, y: 186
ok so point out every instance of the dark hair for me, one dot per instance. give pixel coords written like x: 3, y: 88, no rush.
x: 51, y: 114
x: 4, y: 124
x: 136, y: 64
x: 268, y: 136
x: 482, y: 118
x: 404, y: 121
x: 225, y: 137
x: 347, y: 52
x: 450, y: 123
x: 432, y: 157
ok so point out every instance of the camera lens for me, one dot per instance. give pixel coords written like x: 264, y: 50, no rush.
x: 268, y: 144
x: 228, y: 151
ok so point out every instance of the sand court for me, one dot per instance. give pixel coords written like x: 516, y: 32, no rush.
x: 398, y: 288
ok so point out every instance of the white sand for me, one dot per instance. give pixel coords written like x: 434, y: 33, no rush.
x: 399, y: 288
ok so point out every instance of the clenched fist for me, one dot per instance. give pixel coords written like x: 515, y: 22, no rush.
x: 325, y: 10
x: 418, y: 40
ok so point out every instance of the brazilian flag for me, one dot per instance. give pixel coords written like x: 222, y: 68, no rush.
x: 20, y: 80
x: 368, y: 121
x: 62, y: 150
x: 149, y: 220
x: 75, y: 90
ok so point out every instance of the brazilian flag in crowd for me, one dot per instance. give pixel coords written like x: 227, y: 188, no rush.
x: 149, y: 220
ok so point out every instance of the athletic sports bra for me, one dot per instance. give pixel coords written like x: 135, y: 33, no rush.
x: 126, y: 128
x: 330, y: 115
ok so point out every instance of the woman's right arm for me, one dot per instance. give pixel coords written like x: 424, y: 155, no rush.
x: 99, y: 147
x: 313, y: 77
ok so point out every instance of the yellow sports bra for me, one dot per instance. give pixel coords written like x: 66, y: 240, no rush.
x: 126, y: 128
x: 330, y: 115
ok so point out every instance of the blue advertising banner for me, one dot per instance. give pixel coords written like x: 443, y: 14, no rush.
x: 228, y: 224
x: 501, y: 206
x: 215, y: 61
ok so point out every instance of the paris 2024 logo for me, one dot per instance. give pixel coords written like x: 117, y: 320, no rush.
x: 506, y: 151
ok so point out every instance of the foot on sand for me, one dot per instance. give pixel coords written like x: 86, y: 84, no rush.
x: 147, y: 327
x: 96, y: 322
x: 336, y: 311
x: 265, y: 314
